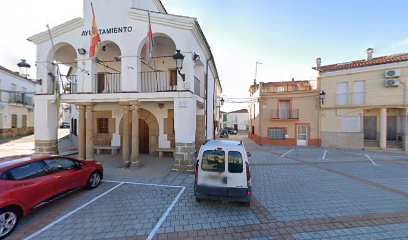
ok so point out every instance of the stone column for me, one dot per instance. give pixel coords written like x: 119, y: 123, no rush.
x: 81, y: 134
x: 185, y: 110
x: 46, y: 126
x: 383, y: 128
x: 89, y: 132
x: 126, y: 135
x: 134, y: 159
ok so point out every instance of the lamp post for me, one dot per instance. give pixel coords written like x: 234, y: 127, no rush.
x: 256, y: 71
x: 322, y: 96
x: 179, y: 58
x: 24, y: 66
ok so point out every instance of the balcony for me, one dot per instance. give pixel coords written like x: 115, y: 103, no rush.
x: 70, y: 86
x: 21, y: 98
x: 284, y: 87
x: 285, y: 114
x: 107, y: 83
x: 158, y: 81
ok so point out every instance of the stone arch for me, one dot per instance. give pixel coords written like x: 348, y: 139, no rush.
x: 154, y: 130
x: 157, y: 36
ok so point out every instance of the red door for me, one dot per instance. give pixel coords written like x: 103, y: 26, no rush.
x: 31, y: 184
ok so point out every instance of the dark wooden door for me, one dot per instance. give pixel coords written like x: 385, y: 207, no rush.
x: 173, y: 78
x: 392, y: 128
x: 143, y: 137
x: 100, y: 82
x: 370, y: 127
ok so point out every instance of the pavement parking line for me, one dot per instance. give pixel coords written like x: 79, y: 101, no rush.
x: 145, y: 184
x: 287, y: 152
x: 371, y: 160
x: 324, y: 155
x: 34, y: 235
x: 163, y: 218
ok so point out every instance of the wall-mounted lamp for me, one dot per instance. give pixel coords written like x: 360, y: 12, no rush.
x: 322, y: 96
x: 222, y: 102
x: 23, y: 66
x: 179, y: 58
x: 81, y: 51
x: 196, y: 57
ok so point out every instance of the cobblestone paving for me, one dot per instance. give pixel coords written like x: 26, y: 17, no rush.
x: 127, y: 211
x: 391, y: 231
x: 302, y: 192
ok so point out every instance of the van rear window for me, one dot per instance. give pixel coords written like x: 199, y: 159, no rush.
x: 213, y: 161
x: 235, y: 162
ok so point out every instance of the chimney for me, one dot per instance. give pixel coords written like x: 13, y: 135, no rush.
x: 318, y: 62
x: 370, y: 53
x: 293, y: 79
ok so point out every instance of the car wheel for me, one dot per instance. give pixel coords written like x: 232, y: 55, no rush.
x: 199, y: 199
x: 8, y: 221
x: 94, y: 180
x: 246, y: 204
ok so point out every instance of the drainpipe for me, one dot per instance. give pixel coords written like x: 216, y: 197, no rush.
x: 206, y: 95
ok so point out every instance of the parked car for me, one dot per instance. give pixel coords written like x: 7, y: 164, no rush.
x: 65, y: 125
x: 232, y: 131
x: 223, y: 172
x: 224, y: 133
x: 27, y: 184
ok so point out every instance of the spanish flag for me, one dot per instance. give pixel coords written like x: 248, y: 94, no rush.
x: 95, y: 37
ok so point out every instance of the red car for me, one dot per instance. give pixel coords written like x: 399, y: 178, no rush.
x: 29, y: 183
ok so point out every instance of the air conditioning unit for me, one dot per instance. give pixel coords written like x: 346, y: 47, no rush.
x: 391, y: 83
x: 393, y: 73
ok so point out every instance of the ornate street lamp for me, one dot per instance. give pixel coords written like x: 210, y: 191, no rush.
x: 322, y: 97
x: 24, y: 66
x: 179, y: 58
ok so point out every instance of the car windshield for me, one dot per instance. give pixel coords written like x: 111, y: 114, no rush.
x: 213, y: 161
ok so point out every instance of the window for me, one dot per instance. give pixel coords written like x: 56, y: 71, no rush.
x: 342, y: 94
x: 277, y: 133
x: 103, y: 125
x: 24, y: 121
x: 358, y: 92
x: 213, y: 161
x: 224, y: 117
x: 284, y: 109
x: 60, y: 164
x: 13, y: 120
x: 28, y: 171
x: 235, y: 162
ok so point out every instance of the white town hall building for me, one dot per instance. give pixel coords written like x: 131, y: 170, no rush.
x: 123, y: 102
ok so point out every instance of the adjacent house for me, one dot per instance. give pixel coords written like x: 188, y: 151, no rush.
x: 365, y: 102
x: 16, y: 104
x: 285, y: 113
x: 128, y: 98
x: 239, y: 120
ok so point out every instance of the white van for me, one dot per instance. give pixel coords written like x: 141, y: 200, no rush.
x: 222, y: 172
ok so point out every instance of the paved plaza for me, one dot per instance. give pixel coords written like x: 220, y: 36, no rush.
x: 298, y: 193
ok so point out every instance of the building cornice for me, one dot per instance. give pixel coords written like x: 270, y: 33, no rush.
x: 364, y: 69
x: 57, y: 31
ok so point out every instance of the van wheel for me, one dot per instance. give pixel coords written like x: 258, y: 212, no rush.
x: 8, y: 221
x: 199, y: 199
x: 246, y: 204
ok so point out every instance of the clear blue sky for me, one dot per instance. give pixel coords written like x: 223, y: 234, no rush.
x: 287, y: 36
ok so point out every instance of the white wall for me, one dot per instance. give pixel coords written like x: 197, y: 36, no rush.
x: 6, y: 110
x: 242, y: 119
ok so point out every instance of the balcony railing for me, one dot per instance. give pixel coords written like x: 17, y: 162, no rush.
x: 158, y: 81
x: 197, y: 87
x: 21, y: 98
x: 285, y: 114
x: 107, y: 83
x: 70, y: 86
x: 278, y: 87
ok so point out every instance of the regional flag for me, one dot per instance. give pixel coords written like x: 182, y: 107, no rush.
x: 95, y: 37
x: 149, y: 42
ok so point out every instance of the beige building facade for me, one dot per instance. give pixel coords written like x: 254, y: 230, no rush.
x: 284, y: 114
x: 366, y: 103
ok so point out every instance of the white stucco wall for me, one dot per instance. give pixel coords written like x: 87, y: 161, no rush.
x: 242, y: 119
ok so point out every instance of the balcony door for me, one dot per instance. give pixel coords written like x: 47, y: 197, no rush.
x: 302, y: 135
x: 143, y: 137
x: 100, y: 82
x: 284, y: 109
